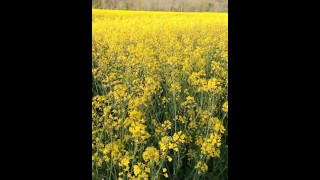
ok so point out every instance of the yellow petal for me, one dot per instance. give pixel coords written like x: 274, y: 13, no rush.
x: 164, y: 170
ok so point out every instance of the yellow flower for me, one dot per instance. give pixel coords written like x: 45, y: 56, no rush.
x: 164, y: 170
x: 166, y: 125
x: 136, y: 170
x: 166, y: 175
x: 201, y: 167
x: 179, y: 137
x: 211, y: 144
x: 147, y: 170
x: 151, y: 154
x: 164, y: 143
x: 99, y: 163
x: 124, y: 162
x: 225, y: 107
x: 175, y: 137
x: 175, y: 88
x: 181, y: 119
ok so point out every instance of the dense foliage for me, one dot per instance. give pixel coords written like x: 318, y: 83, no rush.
x: 160, y: 95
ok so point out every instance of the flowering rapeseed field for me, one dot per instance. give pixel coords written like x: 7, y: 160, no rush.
x: 160, y: 95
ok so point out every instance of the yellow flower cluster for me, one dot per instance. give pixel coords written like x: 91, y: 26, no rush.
x: 138, y: 132
x: 164, y: 143
x: 164, y: 170
x: 160, y: 93
x: 151, y: 154
x: 140, y: 172
x: 201, y: 167
x: 225, y: 107
x: 211, y: 144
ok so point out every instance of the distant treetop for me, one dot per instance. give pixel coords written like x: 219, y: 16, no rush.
x: 164, y: 5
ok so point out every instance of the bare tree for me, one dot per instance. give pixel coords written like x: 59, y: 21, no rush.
x: 163, y: 5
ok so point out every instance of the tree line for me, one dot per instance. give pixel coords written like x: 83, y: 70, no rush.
x: 164, y: 5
